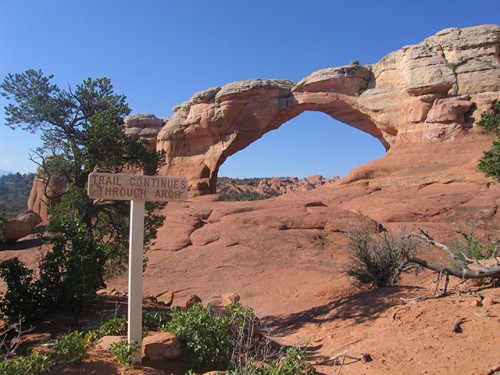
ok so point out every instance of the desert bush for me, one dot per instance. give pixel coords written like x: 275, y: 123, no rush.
x: 123, y: 351
x: 22, y: 297
x: 71, y: 348
x: 206, y: 334
x: 469, y: 248
x: 33, y: 364
x: 489, y: 164
x: 249, y: 345
x: 293, y: 363
x: 290, y: 363
x: 377, y: 260
x: 155, y: 319
x: 114, y: 327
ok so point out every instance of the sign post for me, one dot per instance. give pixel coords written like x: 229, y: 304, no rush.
x: 135, y: 256
x: 137, y: 189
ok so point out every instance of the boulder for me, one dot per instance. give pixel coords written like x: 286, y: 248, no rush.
x: 21, y: 226
x: 166, y: 298
x: 106, y: 342
x: 192, y: 300
x: 161, y: 347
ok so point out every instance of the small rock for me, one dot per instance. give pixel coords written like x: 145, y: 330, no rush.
x: 215, y: 304
x: 193, y: 300
x: 166, y: 297
x: 488, y: 301
x: 162, y: 346
x: 228, y: 298
x: 106, y: 342
x: 476, y: 303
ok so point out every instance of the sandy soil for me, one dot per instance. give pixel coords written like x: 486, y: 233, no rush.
x: 404, y: 329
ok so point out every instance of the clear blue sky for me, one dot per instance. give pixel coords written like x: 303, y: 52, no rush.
x: 160, y: 52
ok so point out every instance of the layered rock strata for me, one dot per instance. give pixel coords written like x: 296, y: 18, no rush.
x: 421, y: 94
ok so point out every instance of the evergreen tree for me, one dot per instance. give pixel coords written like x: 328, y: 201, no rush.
x: 490, y: 162
x: 81, y: 131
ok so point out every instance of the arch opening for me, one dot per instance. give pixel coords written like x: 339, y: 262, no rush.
x: 312, y: 143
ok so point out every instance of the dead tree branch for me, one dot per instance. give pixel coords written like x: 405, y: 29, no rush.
x: 464, y: 273
x: 456, y: 326
x: 9, y: 346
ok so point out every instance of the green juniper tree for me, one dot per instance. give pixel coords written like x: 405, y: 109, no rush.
x: 81, y: 131
x: 490, y: 162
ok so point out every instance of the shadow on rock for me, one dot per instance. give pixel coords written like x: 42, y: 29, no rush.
x: 359, y: 308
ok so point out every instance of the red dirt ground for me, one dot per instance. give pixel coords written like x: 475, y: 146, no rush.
x: 405, y: 329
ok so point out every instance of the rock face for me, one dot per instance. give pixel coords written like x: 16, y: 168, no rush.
x: 38, y: 201
x: 144, y: 126
x: 422, y: 94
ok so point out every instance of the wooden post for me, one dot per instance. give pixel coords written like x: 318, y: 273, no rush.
x: 135, y: 264
x: 137, y: 189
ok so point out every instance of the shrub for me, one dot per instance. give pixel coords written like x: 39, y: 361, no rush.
x: 469, y: 248
x: 66, y: 275
x: 377, y: 260
x: 206, y: 334
x: 155, y: 319
x: 114, y: 327
x: 292, y: 363
x: 22, y: 297
x: 124, y: 351
x: 489, y: 164
x: 33, y: 364
x: 249, y: 344
x: 71, y: 348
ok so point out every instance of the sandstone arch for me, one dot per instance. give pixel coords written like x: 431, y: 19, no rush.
x: 219, y: 122
x: 420, y: 94
x: 417, y: 95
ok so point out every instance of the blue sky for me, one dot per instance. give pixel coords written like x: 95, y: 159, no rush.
x: 160, y: 52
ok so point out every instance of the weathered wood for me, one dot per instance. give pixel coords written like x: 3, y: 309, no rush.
x: 464, y: 273
x: 115, y: 186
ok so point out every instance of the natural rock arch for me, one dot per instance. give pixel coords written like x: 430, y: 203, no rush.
x: 310, y: 144
x: 219, y: 122
x: 421, y: 94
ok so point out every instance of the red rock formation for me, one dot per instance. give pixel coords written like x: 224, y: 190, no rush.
x: 144, y: 126
x: 421, y: 94
x: 38, y: 201
x: 21, y: 226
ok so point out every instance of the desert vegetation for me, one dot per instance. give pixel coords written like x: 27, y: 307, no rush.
x: 82, y: 132
x: 228, y: 339
x: 14, y: 192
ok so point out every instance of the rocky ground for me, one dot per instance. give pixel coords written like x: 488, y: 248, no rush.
x: 405, y: 329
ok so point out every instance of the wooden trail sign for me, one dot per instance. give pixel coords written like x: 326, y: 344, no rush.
x: 111, y: 186
x: 137, y: 189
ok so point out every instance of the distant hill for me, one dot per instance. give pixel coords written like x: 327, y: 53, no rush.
x: 250, y: 189
x: 14, y: 192
x: 4, y: 172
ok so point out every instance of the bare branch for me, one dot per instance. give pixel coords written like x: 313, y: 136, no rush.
x: 465, y: 273
x: 426, y: 237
